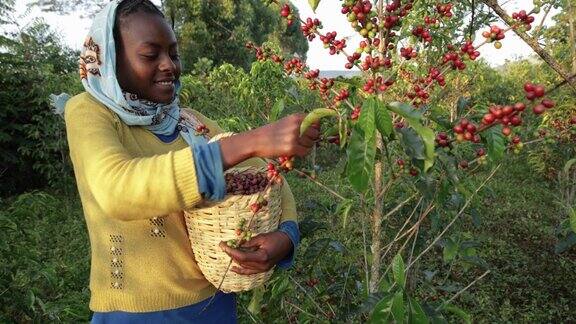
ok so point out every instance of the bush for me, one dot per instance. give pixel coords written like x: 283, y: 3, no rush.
x: 45, y: 260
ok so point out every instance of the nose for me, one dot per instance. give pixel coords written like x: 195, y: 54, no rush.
x: 167, y: 65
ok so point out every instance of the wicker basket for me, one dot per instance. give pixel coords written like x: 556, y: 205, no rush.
x: 212, y: 223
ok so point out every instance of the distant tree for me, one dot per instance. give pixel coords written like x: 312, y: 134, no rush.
x: 216, y: 30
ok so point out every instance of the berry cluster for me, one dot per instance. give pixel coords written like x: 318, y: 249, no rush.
x: 377, y: 85
x: 508, y: 116
x: 442, y: 139
x: 422, y: 33
x: 494, y: 34
x: 352, y: 59
x: 534, y: 91
x: 286, y: 12
x: 295, y: 65
x: 286, y: 163
x: 245, y: 183
x: 342, y: 95
x: 375, y: 63
x: 435, y: 74
x: 361, y: 16
x: 524, y: 18
x: 468, y: 48
x: 312, y: 74
x: 408, y: 52
x: 325, y: 86
x: 444, y: 10
x: 330, y: 42
x: 466, y: 130
x: 455, y: 60
x: 481, y: 155
x: 430, y: 20
x: 310, y: 27
x: 355, y: 113
x: 419, y: 93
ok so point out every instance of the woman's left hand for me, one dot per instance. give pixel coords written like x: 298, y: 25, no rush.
x: 259, y: 254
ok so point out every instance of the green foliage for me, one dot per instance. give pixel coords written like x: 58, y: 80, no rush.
x: 220, y: 30
x: 45, y: 260
x: 260, y: 96
x: 32, y: 138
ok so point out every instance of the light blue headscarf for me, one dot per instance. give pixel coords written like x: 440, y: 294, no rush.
x: 98, y: 74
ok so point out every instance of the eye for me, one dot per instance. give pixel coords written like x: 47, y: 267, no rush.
x: 150, y: 56
x: 175, y: 56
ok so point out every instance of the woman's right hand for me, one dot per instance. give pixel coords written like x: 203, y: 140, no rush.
x: 281, y: 138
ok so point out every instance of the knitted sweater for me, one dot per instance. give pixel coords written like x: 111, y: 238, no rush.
x: 133, y: 188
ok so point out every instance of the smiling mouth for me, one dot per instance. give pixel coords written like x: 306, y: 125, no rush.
x: 165, y: 83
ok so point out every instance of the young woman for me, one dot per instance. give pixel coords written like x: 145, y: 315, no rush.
x: 139, y: 162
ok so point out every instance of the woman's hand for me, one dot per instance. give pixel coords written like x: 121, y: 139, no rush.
x: 259, y: 254
x: 281, y: 138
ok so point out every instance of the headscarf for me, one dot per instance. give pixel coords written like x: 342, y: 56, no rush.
x: 98, y: 74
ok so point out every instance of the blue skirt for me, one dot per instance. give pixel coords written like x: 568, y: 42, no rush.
x: 221, y: 310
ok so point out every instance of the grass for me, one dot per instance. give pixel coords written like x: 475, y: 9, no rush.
x: 45, y: 258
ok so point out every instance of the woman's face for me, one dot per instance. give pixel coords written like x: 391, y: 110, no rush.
x: 147, y: 57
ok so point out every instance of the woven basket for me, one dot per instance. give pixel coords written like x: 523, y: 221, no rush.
x: 213, y: 222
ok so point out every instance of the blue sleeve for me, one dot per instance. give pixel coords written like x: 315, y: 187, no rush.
x: 209, y: 170
x: 291, y: 229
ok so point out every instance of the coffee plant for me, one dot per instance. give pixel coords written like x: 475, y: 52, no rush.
x: 396, y: 138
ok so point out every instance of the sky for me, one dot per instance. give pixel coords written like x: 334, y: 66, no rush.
x: 73, y: 30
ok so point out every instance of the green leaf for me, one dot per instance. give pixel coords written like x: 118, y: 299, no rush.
x: 314, y: 4
x: 495, y: 143
x: 314, y: 116
x: 413, y: 117
x: 367, y: 120
x: 362, y: 151
x: 567, y: 166
x: 382, y: 310
x: 450, y: 250
x: 397, y: 308
x: 412, y: 143
x: 417, y: 314
x: 428, y: 136
x: 256, y: 301
x: 343, y: 132
x: 405, y: 110
x: 399, y: 269
x: 462, y: 104
x: 383, y: 118
x: 344, y: 207
x: 276, y: 110
x: 458, y: 312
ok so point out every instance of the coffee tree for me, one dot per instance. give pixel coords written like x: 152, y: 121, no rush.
x: 396, y: 137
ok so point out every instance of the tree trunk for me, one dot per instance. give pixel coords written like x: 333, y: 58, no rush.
x: 532, y: 43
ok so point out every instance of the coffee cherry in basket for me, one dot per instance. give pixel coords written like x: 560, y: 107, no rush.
x: 245, y: 183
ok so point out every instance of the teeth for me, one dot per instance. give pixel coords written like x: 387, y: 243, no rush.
x: 165, y: 82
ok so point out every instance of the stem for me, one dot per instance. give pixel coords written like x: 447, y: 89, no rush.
x: 303, y: 311
x: 538, y: 30
x: 455, y: 217
x: 532, y: 43
x: 377, y: 221
x: 308, y: 296
x: 461, y: 291
x: 319, y: 183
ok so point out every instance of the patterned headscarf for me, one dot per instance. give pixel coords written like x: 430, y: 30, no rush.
x: 98, y: 75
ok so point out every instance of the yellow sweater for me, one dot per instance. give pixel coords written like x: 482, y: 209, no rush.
x: 133, y: 188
